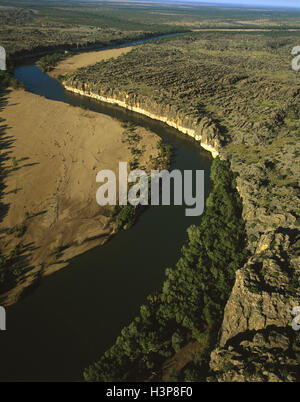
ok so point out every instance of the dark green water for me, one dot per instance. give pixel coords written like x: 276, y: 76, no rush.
x: 76, y: 313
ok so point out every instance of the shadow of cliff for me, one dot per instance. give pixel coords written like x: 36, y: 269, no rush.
x: 6, y: 142
x: 16, y: 263
x: 269, y: 342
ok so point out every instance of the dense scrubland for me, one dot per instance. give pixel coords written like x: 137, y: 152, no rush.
x: 31, y: 28
x: 136, y: 15
x: 238, y: 90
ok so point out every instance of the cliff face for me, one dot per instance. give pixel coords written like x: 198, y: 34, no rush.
x: 206, y: 132
x: 256, y: 340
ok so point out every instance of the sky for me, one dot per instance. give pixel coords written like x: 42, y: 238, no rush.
x: 261, y: 3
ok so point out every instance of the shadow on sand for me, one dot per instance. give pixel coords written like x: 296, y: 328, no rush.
x: 15, y: 263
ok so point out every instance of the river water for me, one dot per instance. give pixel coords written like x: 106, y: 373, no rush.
x: 76, y: 313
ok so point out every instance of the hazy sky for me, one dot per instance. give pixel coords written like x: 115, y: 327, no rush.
x: 261, y: 3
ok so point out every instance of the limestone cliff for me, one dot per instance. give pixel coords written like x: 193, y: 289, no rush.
x: 205, y: 131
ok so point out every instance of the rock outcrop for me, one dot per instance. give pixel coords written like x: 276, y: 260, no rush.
x: 206, y: 132
x: 256, y: 339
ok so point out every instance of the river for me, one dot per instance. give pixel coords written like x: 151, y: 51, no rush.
x: 75, y: 314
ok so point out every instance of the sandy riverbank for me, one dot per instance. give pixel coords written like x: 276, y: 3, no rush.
x: 51, y: 153
x: 85, y: 59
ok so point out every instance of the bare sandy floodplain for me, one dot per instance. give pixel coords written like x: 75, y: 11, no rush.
x: 51, y: 153
x: 85, y: 59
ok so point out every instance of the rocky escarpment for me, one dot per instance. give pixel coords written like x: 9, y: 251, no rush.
x: 257, y: 342
x: 205, y: 131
